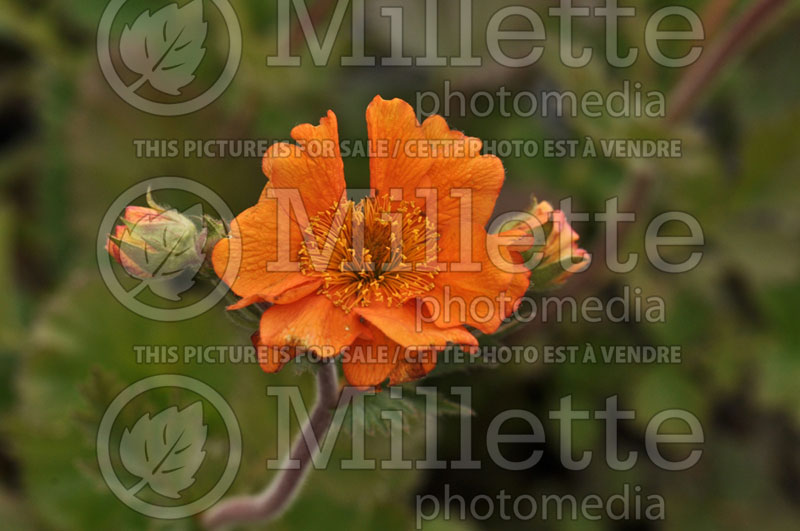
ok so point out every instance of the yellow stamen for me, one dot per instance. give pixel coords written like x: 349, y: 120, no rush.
x: 374, y: 250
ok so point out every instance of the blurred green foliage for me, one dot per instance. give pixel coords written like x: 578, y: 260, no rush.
x: 66, y: 151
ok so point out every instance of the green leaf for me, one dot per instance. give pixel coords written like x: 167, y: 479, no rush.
x: 403, y: 399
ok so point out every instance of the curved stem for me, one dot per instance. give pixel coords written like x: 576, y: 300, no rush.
x: 700, y: 75
x: 682, y: 99
x: 287, y: 483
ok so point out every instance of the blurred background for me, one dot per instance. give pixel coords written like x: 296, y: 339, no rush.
x: 67, y: 151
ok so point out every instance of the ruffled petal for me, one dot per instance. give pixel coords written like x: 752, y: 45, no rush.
x: 428, y: 159
x: 481, y: 298
x: 313, y: 324
x: 402, y: 326
x: 241, y: 260
x: 395, y: 136
x: 467, y: 183
x: 369, y: 361
x: 414, y: 368
x: 313, y: 166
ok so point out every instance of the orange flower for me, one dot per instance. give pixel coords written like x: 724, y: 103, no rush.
x: 371, y: 280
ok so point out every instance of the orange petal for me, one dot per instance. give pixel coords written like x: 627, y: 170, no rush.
x: 467, y: 182
x: 483, y: 298
x: 313, y: 323
x: 122, y: 234
x: 432, y: 158
x: 111, y: 246
x: 292, y: 288
x: 272, y: 358
x: 313, y: 166
x: 134, y: 214
x: 241, y: 260
x: 394, y: 135
x: 411, y: 369
x: 368, y: 362
x: 403, y: 326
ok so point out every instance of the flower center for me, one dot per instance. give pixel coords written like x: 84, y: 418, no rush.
x: 373, y: 250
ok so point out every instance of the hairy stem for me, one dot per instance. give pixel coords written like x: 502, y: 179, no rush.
x: 682, y: 99
x: 287, y: 483
x: 702, y: 73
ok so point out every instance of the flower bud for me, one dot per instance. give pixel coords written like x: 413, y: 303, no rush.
x: 158, y: 242
x: 554, y: 255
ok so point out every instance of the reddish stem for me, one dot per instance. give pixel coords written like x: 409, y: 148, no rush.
x: 288, y: 482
